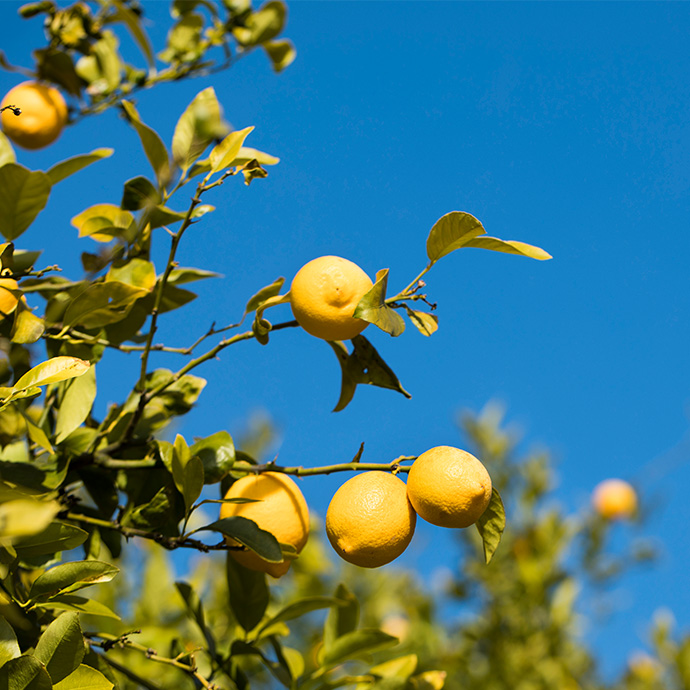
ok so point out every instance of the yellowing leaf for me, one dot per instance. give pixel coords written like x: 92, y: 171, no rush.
x: 54, y: 370
x: 224, y: 154
x: 509, y: 247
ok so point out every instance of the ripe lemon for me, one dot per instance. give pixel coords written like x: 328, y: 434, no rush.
x: 280, y: 509
x: 8, y: 301
x: 324, y: 295
x: 614, y: 499
x: 449, y: 487
x: 42, y: 118
x: 369, y: 521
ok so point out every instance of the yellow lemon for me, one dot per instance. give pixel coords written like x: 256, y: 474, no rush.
x: 42, y: 118
x: 614, y: 499
x: 449, y: 487
x: 324, y: 295
x: 369, y: 521
x: 8, y: 301
x: 280, y: 509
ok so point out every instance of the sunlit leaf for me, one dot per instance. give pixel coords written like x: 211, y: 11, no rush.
x: 224, y: 154
x: 135, y: 27
x: 58, y: 536
x: 70, y: 577
x: 61, y: 647
x: 136, y: 272
x: 68, y: 167
x: 84, y: 678
x: 247, y: 154
x: 264, y: 294
x: 24, y: 673
x: 354, y: 644
x: 450, y: 232
x: 9, y: 647
x: 509, y: 247
x: 76, y: 399
x: 103, y: 222
x: 102, y: 304
x: 54, y: 370
x: 24, y: 517
x: 27, y: 327
x: 373, y: 308
x: 73, y: 602
x: 7, y: 154
x: 217, y: 454
x: 263, y: 25
x: 491, y: 525
x: 281, y: 53
x: 23, y: 195
x: 37, y: 435
x: 425, y: 323
x: 429, y: 680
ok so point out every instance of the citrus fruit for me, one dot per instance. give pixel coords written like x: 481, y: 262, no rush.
x: 324, y: 295
x: 369, y: 521
x: 614, y: 499
x: 279, y: 508
x: 42, y: 118
x: 449, y: 487
x: 8, y: 301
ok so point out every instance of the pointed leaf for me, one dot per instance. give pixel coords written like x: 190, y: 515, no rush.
x: 509, y: 247
x: 76, y: 401
x: 373, y: 308
x: 84, y: 678
x: 196, y: 611
x: 61, y: 647
x: 193, y: 481
x: 249, y: 534
x: 68, y: 167
x: 102, y: 304
x: 58, y: 536
x: 37, y: 435
x: 134, y: 25
x: 491, y: 525
x: 264, y: 294
x: 9, y: 647
x: 281, y: 53
x: 247, y: 154
x: 23, y: 517
x: 72, y: 602
x: 7, y: 154
x: 263, y: 25
x: 450, y: 232
x: 300, y: 608
x: 70, y: 577
x: 217, y: 454
x: 27, y: 327
x: 103, y: 222
x: 341, y: 619
x: 224, y: 154
x: 54, y: 370
x: 23, y: 195
x: 248, y: 593
x: 154, y: 149
x: 24, y: 673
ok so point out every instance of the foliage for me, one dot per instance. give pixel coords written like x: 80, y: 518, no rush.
x: 82, y: 497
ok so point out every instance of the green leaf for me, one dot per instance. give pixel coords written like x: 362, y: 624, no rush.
x: 27, y: 327
x: 195, y: 610
x: 138, y: 193
x: 200, y: 124
x: 509, y: 247
x: 134, y: 26
x: 373, y: 308
x: 430, y: 680
x: 68, y: 167
x: 154, y: 149
x: 160, y: 215
x: 363, y: 366
x: 341, y: 619
x: 76, y: 400
x: 249, y: 534
x: 136, y: 272
x: 61, y: 647
x: 217, y: 454
x: 25, y: 516
x: 84, y: 678
x: 9, y: 647
x: 248, y: 593
x: 180, y: 276
x: 426, y: 323
x: 355, y: 644
x: 72, y: 602
x: 263, y: 295
x: 58, y: 536
x: 224, y: 154
x: 263, y: 25
x: 70, y: 577
x: 192, y: 480
x: 103, y: 222
x: 300, y: 608
x: 54, y: 370
x: 23, y: 195
x: 55, y: 65
x: 24, y: 673
x: 450, y: 232
x: 102, y: 304
x: 7, y: 154
x: 281, y: 53
x: 402, y: 667
x: 37, y: 435
x: 491, y: 525
x: 247, y: 154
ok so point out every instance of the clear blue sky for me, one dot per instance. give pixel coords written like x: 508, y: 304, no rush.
x: 566, y: 125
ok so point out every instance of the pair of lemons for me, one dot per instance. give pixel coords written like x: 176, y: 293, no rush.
x: 372, y: 517
x: 37, y: 116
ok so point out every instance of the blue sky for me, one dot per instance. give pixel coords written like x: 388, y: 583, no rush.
x: 565, y: 125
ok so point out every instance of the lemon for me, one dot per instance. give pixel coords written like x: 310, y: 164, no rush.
x: 449, y: 487
x: 42, y: 118
x: 369, y: 521
x: 280, y: 509
x: 8, y: 301
x: 324, y: 295
x: 614, y: 499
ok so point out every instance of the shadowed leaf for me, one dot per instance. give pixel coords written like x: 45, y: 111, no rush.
x: 491, y: 525
x: 373, y: 308
x: 23, y: 195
